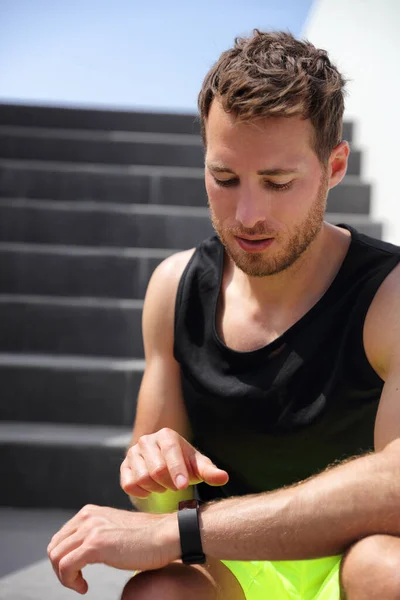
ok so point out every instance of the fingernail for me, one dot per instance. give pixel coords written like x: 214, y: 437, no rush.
x: 180, y: 481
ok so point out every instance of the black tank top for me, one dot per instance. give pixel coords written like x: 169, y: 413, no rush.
x: 279, y: 414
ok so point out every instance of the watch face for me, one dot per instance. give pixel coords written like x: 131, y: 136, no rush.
x: 188, y: 504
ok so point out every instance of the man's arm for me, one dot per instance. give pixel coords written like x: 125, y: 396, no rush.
x: 160, y: 403
x: 326, y: 514
x: 320, y: 517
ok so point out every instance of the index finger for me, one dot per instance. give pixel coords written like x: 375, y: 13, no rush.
x: 175, y: 461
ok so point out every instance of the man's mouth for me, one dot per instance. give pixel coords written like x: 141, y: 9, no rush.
x: 254, y: 245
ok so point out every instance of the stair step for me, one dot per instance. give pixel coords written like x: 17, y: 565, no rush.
x: 100, y: 119
x: 89, y: 223
x: 81, y: 326
x: 93, y: 224
x: 77, y: 271
x: 56, y: 434
x: 101, y: 147
x: 69, y: 389
x: 137, y: 184
x: 63, y: 466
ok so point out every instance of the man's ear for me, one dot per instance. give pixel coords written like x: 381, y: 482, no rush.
x: 337, y: 165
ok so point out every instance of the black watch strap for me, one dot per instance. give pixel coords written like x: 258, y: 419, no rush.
x: 189, y: 531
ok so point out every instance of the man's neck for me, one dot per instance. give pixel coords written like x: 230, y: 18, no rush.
x: 302, y: 283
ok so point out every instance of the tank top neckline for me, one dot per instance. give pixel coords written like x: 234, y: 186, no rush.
x: 286, y: 335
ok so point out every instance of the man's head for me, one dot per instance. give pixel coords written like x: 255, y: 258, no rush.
x: 271, y: 112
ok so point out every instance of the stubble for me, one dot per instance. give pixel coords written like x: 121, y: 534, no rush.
x: 266, y: 263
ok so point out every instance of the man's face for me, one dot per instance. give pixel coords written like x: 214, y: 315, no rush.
x: 266, y: 189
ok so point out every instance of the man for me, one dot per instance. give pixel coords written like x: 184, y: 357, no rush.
x: 272, y: 368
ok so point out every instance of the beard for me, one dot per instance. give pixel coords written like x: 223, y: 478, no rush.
x: 259, y: 264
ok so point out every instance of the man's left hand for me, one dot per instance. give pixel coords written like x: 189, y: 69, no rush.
x: 118, y: 538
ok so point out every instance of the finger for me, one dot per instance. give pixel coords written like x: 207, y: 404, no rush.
x: 67, y: 530
x: 130, y: 488
x: 70, y: 569
x: 205, y: 469
x: 151, y: 453
x: 175, y: 461
x: 128, y: 484
x: 63, y: 549
x: 141, y: 475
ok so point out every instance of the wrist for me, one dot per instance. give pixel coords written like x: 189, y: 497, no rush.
x: 169, y: 537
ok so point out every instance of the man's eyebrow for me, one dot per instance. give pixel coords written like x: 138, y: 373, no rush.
x: 277, y: 171
x: 219, y: 168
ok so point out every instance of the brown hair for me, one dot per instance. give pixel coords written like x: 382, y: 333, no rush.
x: 275, y: 75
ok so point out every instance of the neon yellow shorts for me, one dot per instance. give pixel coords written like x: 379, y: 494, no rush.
x: 316, y: 579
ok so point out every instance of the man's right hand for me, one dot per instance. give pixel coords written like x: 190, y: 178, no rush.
x: 165, y: 461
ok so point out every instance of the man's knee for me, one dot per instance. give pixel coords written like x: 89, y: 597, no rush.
x: 151, y: 584
x: 170, y: 583
x: 371, y: 569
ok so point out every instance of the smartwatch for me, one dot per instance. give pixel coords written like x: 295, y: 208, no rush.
x: 189, y: 532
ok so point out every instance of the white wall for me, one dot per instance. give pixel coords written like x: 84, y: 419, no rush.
x: 363, y: 38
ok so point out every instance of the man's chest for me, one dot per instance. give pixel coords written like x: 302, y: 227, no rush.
x: 244, y: 328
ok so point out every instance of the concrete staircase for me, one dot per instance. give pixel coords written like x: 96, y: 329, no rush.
x: 90, y: 203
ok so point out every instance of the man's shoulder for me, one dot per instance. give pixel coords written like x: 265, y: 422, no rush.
x: 168, y: 273
x: 173, y: 266
x: 382, y: 324
x: 164, y: 281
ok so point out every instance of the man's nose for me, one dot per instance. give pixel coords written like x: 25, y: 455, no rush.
x: 251, y: 209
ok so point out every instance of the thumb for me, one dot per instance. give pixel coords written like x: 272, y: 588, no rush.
x: 207, y: 471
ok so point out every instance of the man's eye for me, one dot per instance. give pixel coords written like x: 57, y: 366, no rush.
x: 275, y: 186
x: 278, y: 186
x: 226, y: 182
